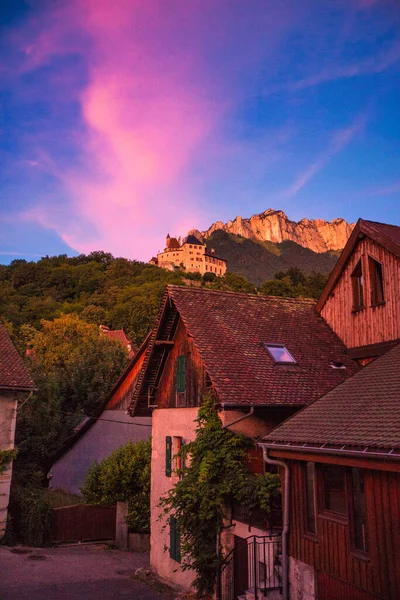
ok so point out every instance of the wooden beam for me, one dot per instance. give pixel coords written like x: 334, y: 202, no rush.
x: 164, y: 343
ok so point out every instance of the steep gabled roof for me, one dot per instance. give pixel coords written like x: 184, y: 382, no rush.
x: 385, y: 235
x: 191, y: 239
x: 120, y: 336
x: 362, y: 413
x: 229, y: 331
x: 13, y: 373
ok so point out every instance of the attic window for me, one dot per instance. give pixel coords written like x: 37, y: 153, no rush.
x: 280, y: 354
x: 336, y: 364
x: 376, y: 278
x: 357, y: 282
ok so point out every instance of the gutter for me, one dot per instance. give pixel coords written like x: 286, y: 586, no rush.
x: 285, y: 531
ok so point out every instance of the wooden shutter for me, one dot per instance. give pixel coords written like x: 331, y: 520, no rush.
x: 174, y: 540
x: 168, y: 456
x: 180, y: 374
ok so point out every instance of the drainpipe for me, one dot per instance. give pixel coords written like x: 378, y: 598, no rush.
x: 242, y: 418
x: 285, y: 531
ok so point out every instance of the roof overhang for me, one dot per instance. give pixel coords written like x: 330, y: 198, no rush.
x: 344, y: 450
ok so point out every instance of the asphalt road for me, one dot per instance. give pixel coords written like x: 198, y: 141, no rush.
x: 74, y: 573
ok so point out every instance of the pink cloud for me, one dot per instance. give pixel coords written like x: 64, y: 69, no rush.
x: 149, y: 109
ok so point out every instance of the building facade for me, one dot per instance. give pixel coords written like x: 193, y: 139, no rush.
x: 191, y: 256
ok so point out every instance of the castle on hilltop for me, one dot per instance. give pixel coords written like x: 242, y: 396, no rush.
x: 191, y: 255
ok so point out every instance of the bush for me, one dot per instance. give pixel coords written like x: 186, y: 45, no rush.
x: 32, y: 516
x: 123, y: 476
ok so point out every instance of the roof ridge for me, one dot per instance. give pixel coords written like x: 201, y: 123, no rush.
x: 246, y: 294
x: 373, y: 223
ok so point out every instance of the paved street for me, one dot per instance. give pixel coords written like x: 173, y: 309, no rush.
x: 74, y: 573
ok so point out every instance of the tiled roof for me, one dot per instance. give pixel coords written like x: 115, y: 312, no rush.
x: 120, y: 335
x: 229, y: 330
x: 173, y: 244
x: 13, y: 373
x: 385, y: 235
x: 361, y: 412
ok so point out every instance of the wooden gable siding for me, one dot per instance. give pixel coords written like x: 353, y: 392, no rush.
x: 121, y: 398
x: 330, y: 551
x: 166, y: 394
x: 371, y: 325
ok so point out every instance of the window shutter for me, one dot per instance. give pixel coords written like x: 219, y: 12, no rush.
x: 168, y: 456
x: 180, y: 374
x: 174, y: 540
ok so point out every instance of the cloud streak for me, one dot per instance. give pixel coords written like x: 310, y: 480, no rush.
x: 338, y: 142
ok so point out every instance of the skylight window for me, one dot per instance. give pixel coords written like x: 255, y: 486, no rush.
x: 280, y: 354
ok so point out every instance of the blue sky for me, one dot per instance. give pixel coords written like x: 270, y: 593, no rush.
x: 122, y: 121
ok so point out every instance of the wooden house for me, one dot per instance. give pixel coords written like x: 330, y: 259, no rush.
x: 96, y: 437
x: 15, y: 385
x: 361, y: 301
x: 264, y: 358
x: 342, y: 456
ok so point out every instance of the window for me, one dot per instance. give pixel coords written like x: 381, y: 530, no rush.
x: 168, y: 456
x: 180, y: 374
x: 174, y: 540
x: 334, y: 489
x: 357, y: 283
x: 359, y: 526
x: 280, y: 354
x: 376, y: 279
x: 311, y: 525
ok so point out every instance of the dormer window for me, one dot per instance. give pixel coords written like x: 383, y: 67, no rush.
x: 280, y: 354
x: 357, y: 282
x: 376, y: 279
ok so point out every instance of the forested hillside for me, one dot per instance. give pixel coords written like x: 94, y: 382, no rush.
x: 260, y: 260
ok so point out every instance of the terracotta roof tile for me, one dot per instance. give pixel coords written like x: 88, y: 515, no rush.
x: 13, y: 373
x: 229, y: 330
x: 361, y: 412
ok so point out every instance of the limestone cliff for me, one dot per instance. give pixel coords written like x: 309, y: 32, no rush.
x: 274, y: 226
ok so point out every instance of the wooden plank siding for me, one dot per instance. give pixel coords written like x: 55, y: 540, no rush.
x: 121, y: 398
x: 166, y: 395
x: 371, y: 325
x: 329, y: 550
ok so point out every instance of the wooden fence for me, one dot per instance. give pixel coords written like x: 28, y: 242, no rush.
x: 83, y: 523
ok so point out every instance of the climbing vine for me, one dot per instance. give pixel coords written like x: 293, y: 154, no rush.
x: 6, y: 456
x: 216, y: 475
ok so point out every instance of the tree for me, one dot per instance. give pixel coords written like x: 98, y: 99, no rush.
x: 125, y: 476
x: 216, y: 475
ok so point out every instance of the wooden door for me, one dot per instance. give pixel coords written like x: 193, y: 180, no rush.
x: 241, y: 570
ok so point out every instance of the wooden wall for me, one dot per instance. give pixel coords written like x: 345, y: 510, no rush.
x: 121, y: 397
x: 166, y: 396
x: 373, y: 324
x: 330, y: 551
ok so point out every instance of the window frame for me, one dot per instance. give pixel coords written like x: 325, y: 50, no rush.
x: 268, y: 345
x: 376, y: 280
x: 181, y: 374
x: 312, y: 535
x: 323, y: 511
x: 358, y: 287
x: 363, y: 553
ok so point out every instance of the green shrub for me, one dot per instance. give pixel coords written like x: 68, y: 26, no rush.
x: 32, y: 516
x: 123, y: 476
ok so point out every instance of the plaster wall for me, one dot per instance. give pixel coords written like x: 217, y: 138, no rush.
x: 252, y: 427
x: 177, y: 423
x: 8, y: 416
x: 105, y: 436
x: 301, y: 580
x: 193, y: 257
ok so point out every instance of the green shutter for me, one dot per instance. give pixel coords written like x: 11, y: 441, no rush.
x: 180, y: 374
x: 174, y: 540
x: 168, y: 456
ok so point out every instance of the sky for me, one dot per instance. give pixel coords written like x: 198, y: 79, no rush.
x: 124, y: 120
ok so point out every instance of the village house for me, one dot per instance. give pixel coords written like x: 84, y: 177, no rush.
x: 341, y: 454
x: 15, y: 385
x: 120, y: 336
x: 192, y: 256
x: 98, y: 436
x: 264, y: 358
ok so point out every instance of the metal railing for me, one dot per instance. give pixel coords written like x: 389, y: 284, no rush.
x: 264, y: 562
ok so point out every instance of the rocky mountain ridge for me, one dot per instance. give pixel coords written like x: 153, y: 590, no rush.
x: 274, y: 226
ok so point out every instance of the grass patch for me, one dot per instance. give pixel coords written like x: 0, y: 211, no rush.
x: 58, y: 498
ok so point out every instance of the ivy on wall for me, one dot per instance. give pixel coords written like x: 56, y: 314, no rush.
x: 6, y: 456
x: 215, y: 475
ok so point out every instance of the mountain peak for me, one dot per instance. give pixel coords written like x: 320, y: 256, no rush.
x: 274, y: 226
